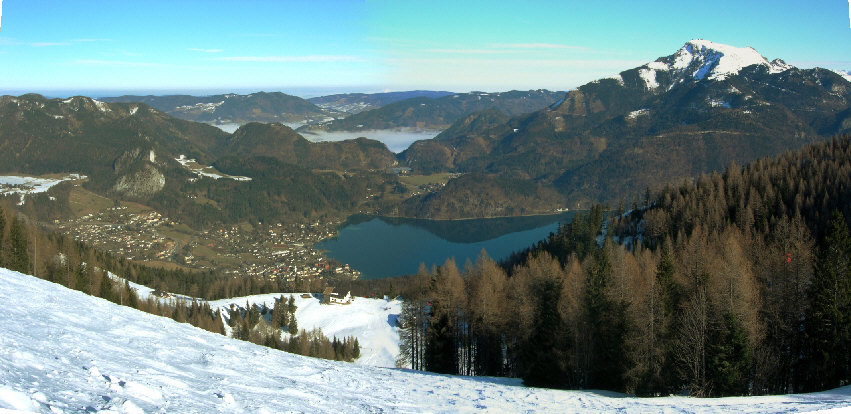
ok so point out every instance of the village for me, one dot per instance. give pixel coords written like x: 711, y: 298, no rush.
x: 275, y: 251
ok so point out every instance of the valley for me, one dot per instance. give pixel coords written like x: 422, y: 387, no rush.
x: 240, y: 202
x: 390, y: 207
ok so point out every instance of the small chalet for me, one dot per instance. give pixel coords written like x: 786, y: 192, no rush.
x: 329, y: 297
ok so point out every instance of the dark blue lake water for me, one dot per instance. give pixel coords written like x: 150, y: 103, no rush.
x: 382, y: 247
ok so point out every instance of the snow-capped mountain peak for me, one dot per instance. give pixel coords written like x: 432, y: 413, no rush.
x: 702, y: 59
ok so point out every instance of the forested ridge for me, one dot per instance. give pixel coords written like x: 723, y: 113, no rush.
x: 733, y: 284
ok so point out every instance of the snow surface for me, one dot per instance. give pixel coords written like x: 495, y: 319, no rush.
x: 637, y: 113
x: 13, y: 184
x: 371, y: 321
x: 205, y: 171
x: 617, y: 78
x: 101, y: 106
x: 845, y: 74
x: 709, y: 60
x: 63, y: 351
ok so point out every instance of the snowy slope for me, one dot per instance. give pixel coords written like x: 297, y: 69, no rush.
x: 12, y: 184
x: 63, y: 351
x: 372, y: 321
x: 701, y: 59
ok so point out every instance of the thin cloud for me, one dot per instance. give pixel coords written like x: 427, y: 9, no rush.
x: 310, y: 58
x: 539, y: 46
x: 125, y: 63
x: 467, y: 51
x: 49, y: 44
x: 123, y: 52
x: 501, y: 63
x: 195, y: 49
x: 89, y: 40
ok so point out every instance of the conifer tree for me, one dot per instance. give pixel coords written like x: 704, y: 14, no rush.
x: 607, y: 323
x: 829, y: 323
x: 728, y: 358
x: 105, y: 288
x: 18, y: 256
x: 293, y: 326
x: 81, y: 278
x: 543, y: 355
x: 2, y: 237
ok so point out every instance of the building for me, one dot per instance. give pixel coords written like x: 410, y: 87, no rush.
x: 329, y: 297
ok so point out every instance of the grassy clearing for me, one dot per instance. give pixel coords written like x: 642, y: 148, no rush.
x: 135, y: 207
x: 83, y: 202
x: 206, y: 201
x: 175, y: 235
x: 418, y: 180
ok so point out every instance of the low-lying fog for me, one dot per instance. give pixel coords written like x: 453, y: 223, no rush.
x: 397, y: 140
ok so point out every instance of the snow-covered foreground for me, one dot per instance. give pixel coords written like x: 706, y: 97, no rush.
x: 372, y: 321
x: 63, y: 351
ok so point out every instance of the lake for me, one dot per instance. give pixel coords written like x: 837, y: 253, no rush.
x: 382, y: 247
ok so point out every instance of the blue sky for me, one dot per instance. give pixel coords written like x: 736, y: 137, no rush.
x: 312, y: 47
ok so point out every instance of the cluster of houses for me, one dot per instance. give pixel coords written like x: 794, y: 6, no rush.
x: 276, y: 251
x: 128, y: 234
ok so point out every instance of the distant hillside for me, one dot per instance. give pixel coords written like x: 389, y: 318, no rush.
x: 281, y: 142
x: 124, y: 148
x: 353, y: 103
x: 697, y: 110
x: 128, y: 151
x: 438, y: 113
x: 233, y: 108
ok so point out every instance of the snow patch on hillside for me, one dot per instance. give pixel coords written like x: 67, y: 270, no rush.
x: 64, y: 351
x: 13, y: 184
x: 617, y: 78
x: 649, y: 78
x: 637, y: 113
x: 103, y: 107
x: 208, y: 107
x: 714, y: 61
x: 205, y: 170
x: 372, y: 321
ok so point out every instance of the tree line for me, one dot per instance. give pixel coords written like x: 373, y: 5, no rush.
x: 278, y: 328
x: 738, y: 283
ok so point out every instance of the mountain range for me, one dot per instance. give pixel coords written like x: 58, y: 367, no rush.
x: 697, y: 110
x: 353, y: 103
x: 234, y: 108
x: 437, y: 113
